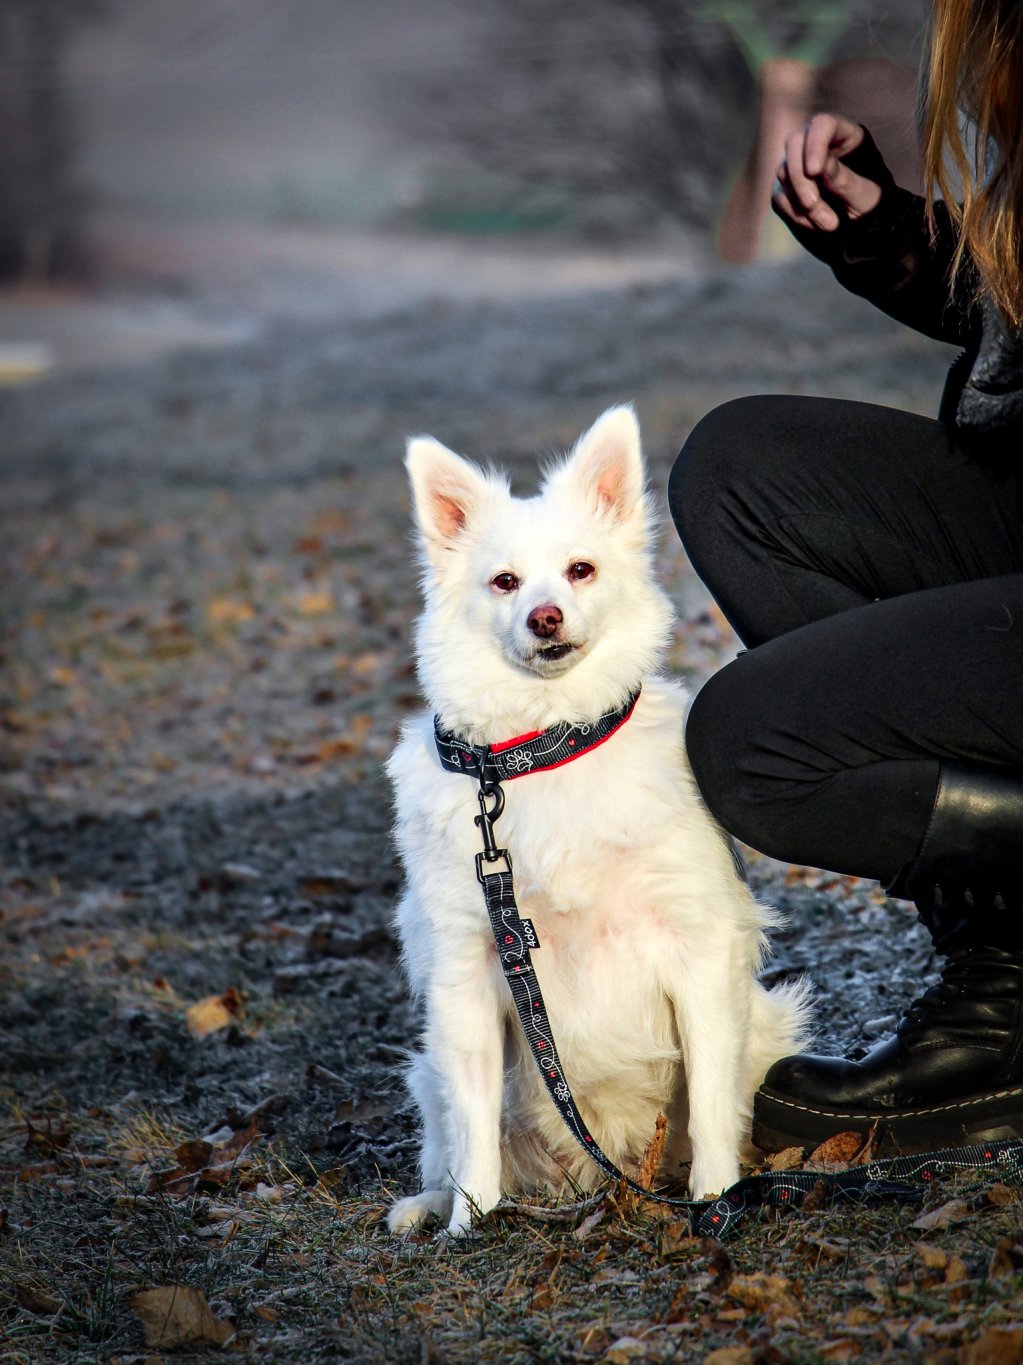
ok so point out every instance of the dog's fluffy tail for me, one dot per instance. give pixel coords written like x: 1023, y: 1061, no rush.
x: 780, y: 1026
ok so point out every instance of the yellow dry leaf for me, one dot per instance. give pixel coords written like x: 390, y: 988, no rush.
x: 770, y: 1294
x: 995, y: 1346
x: 933, y: 1257
x: 956, y: 1271
x: 315, y: 603
x: 790, y: 1159
x: 861, y: 1317
x: 1006, y: 1257
x: 209, y: 1014
x: 63, y: 677
x: 177, y: 1315
x: 367, y: 663
x: 228, y: 610
x: 843, y: 1348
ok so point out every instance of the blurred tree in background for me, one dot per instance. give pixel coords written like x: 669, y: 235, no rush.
x: 41, y: 203
x: 621, y: 114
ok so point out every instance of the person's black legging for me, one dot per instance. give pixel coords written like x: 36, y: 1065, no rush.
x: 872, y: 567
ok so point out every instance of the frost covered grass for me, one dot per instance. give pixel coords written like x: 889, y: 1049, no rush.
x: 208, y: 588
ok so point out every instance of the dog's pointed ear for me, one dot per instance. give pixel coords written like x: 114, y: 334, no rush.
x: 446, y: 489
x: 608, y: 463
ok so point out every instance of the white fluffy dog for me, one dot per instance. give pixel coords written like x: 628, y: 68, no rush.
x: 541, y: 611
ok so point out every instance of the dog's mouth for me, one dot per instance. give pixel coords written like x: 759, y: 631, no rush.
x: 550, y: 653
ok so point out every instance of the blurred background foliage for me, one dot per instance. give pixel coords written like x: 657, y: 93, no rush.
x: 608, y: 118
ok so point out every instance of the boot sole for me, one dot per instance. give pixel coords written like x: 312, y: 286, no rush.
x: 780, y: 1122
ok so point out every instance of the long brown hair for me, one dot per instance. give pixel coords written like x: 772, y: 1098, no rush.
x: 974, y: 69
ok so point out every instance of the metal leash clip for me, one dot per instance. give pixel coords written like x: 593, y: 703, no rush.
x: 485, y: 820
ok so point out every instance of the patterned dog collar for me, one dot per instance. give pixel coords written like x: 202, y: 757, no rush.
x: 528, y: 753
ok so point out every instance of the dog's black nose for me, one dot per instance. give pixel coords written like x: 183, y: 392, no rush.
x: 544, y: 621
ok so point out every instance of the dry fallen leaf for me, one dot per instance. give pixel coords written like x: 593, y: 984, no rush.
x: 842, y: 1348
x: 995, y: 1346
x: 212, y: 1013
x: 1006, y: 1257
x: 861, y: 1317
x: 822, y: 1252
x: 315, y: 603
x: 227, y: 609
x: 933, y: 1257
x: 790, y: 1159
x: 366, y: 664
x: 643, y: 1349
x: 225, y: 1162
x: 542, y: 1298
x: 955, y: 1211
x: 840, y: 1149
x: 591, y: 1221
x: 36, y: 1299
x: 193, y: 1154
x: 731, y: 1355
x: 178, y: 1315
x: 651, y: 1159
x: 46, y: 1141
x: 956, y: 1271
x: 999, y: 1194
x: 772, y: 1295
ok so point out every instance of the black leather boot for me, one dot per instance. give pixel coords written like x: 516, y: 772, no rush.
x: 952, y: 1073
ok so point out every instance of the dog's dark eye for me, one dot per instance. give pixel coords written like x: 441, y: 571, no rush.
x: 505, y: 582
x: 580, y: 570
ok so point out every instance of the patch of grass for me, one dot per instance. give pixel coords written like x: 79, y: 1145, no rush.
x: 306, y: 1272
x: 190, y: 805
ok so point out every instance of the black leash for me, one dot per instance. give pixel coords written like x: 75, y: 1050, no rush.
x: 514, y: 937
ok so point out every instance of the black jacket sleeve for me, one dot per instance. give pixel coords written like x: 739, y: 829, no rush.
x: 890, y: 256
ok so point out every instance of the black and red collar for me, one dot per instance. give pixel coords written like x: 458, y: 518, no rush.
x: 529, y: 753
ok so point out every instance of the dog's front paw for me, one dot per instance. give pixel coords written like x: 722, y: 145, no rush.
x: 708, y: 1178
x: 463, y: 1211
x: 417, y: 1209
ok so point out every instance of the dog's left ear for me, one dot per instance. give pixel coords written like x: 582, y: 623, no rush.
x: 608, y: 464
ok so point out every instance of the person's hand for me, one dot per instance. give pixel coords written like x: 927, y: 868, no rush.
x: 810, y: 169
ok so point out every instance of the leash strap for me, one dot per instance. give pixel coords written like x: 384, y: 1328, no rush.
x: 514, y: 938
x: 877, y: 1180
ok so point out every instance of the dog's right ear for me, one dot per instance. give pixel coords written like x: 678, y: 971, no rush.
x: 446, y: 490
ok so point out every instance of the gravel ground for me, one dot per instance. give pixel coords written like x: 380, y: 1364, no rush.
x: 207, y: 595
x: 207, y: 601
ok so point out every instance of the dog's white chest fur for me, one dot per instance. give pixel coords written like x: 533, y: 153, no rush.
x: 538, y: 612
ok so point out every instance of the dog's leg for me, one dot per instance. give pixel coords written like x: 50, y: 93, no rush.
x: 425, y: 1087
x: 434, y: 1199
x: 711, y: 998
x: 465, y: 1022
